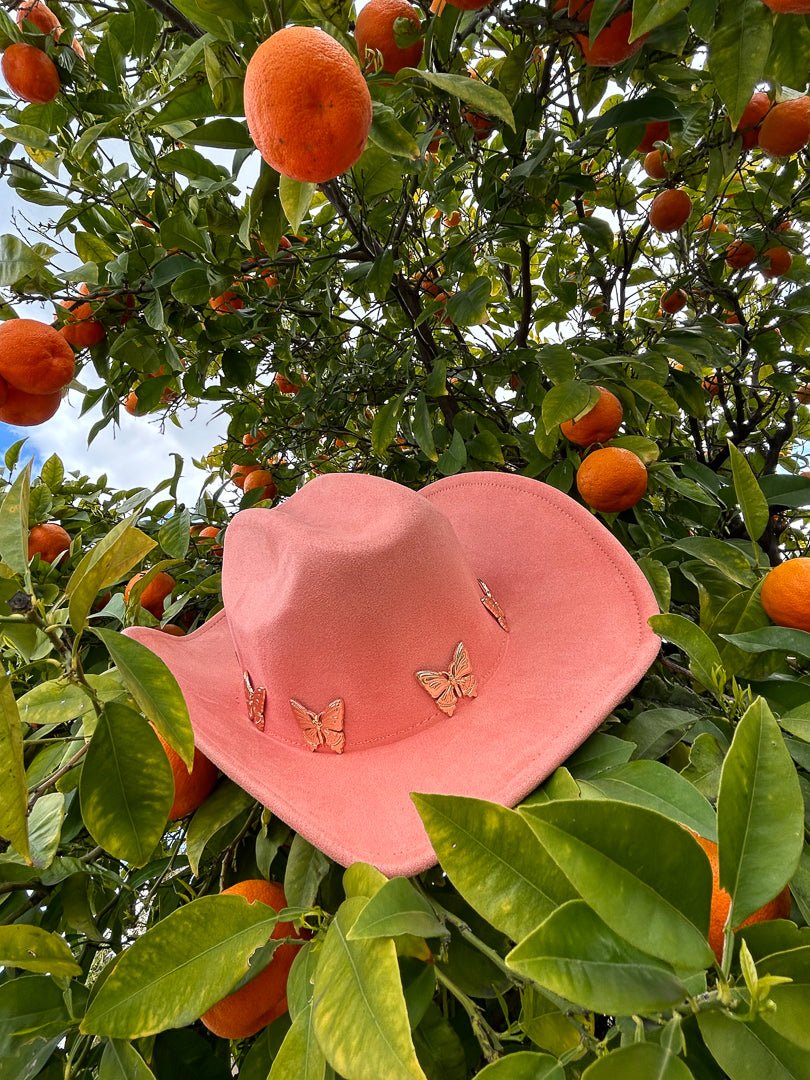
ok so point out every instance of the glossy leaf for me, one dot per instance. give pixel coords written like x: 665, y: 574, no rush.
x: 397, y: 909
x: 486, y: 100
x: 650, y: 14
x: 698, y: 646
x: 180, y: 967
x: 306, y: 869
x: 768, y: 638
x: 13, y: 786
x: 14, y: 522
x: 121, y: 1061
x: 224, y: 804
x: 295, y: 200
x: 760, y: 814
x: 792, y: 999
x: 492, y: 858
x: 389, y: 134
x: 523, y: 1066
x: 751, y: 501
x: 643, y: 1061
x: 106, y: 563
x: 567, y: 400
x: 738, y: 51
x: 300, y: 1055
x: 750, y: 1051
x: 359, y: 1009
x: 576, y: 955
x: 34, y: 949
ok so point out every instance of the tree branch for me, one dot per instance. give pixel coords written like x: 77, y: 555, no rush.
x: 176, y: 18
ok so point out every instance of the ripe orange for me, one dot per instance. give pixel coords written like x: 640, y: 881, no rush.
x: 307, y: 105
x: 240, y: 472
x: 27, y: 410
x: 670, y: 210
x: 655, y: 165
x: 261, y: 479
x: 191, y: 789
x: 612, y: 45
x: 779, y: 261
x: 375, y: 30
x: 778, y: 908
x: 250, y: 440
x: 257, y: 1003
x: 711, y: 385
x: 599, y: 424
x: 785, y: 594
x: 739, y: 254
x: 154, y: 594
x: 674, y: 301
x: 753, y: 115
x: 709, y: 222
x: 788, y: 7
x: 803, y: 394
x: 131, y: 403
x: 3, y: 390
x: 786, y: 128
x: 656, y: 131
x: 482, y: 126
x: 612, y: 479
x: 48, y: 541
x: 285, y: 385
x: 173, y: 630
x: 211, y: 532
x: 452, y: 219
x: 38, y: 13
x: 34, y: 357
x: 30, y: 73
x: 227, y: 301
x: 81, y: 329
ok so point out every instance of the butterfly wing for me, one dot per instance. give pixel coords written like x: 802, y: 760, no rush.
x: 307, y: 722
x: 256, y: 701
x: 332, y: 726
x: 462, y: 678
x: 440, y: 687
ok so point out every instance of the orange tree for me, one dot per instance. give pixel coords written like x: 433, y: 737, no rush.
x: 494, y: 265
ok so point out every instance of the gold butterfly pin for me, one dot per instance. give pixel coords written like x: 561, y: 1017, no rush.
x: 493, y: 607
x: 255, y: 702
x: 445, y: 686
x: 321, y: 729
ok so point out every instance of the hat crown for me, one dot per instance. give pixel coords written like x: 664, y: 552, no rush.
x: 345, y: 591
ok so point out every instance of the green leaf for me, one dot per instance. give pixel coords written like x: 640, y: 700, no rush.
x: 306, y: 869
x: 299, y: 1055
x: 473, y: 92
x: 750, y: 1051
x: 222, y: 806
x: 422, y: 427
x: 52, y: 472
x: 14, y: 523
x: 296, y: 198
x: 468, y: 306
x: 792, y: 1000
x: 174, y: 536
x: 126, y: 786
x: 17, y: 260
x: 650, y: 14
x: 397, y: 909
x: 640, y: 110
x: 738, y: 52
x: 121, y: 1061
x: 523, y: 1066
x: 641, y: 873
x: 576, y: 955
x: 485, y: 447
x: 360, y: 1018
x: 492, y: 858
x: 180, y: 967
x: 389, y: 134
x: 750, y: 498
x: 106, y: 563
x: 643, y: 1061
x: 34, y: 949
x: 33, y: 1015
x: 760, y: 814
x: 454, y: 457
x: 13, y: 787
x: 53, y: 702
x: 45, y: 828
x: 697, y: 645
x: 769, y: 638
x: 154, y: 688
x: 226, y: 133
x: 566, y: 401
x: 12, y: 455
x: 384, y: 425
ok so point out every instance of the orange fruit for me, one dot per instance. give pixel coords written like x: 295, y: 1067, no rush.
x: 670, y: 210
x: 227, y: 301
x: 612, y: 479
x: 374, y: 30
x: 3, y: 390
x: 257, y: 1003
x: 261, y: 479
x: 34, y: 11
x: 173, y: 630
x: 211, y: 532
x: 753, y: 115
x: 655, y: 165
x: 786, y: 128
x: 285, y: 385
x: 154, y: 594
x: 191, y: 789
x: 803, y: 394
x: 131, y: 403
x: 34, y: 357
x: 709, y: 223
x: 711, y: 385
x: 655, y: 131
x: 674, y: 301
x: 482, y: 126
x: 307, y: 105
x: 779, y: 261
x: 778, y: 908
x: 785, y: 594
x: 48, y: 541
x: 464, y: 5
x: 27, y: 410
x: 240, y: 472
x: 599, y: 424
x: 611, y: 45
x: 250, y: 439
x: 788, y: 7
x: 30, y: 73
x: 452, y: 219
x: 81, y: 329
x: 739, y: 254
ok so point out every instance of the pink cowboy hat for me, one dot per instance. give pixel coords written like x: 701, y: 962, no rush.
x: 377, y: 641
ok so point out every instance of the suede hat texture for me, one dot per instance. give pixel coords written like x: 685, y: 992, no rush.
x: 335, y: 599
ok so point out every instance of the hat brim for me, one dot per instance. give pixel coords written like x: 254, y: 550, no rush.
x: 579, y: 641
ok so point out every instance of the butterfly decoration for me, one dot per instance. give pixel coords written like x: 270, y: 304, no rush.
x: 321, y: 729
x: 255, y: 702
x: 445, y: 686
x: 493, y: 607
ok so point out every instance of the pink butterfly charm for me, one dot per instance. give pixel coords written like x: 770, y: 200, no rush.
x: 321, y: 729
x: 493, y: 607
x: 255, y: 702
x: 445, y: 686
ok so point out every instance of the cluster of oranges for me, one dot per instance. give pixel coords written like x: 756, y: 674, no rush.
x: 29, y: 72
x: 250, y: 476
x: 36, y: 365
